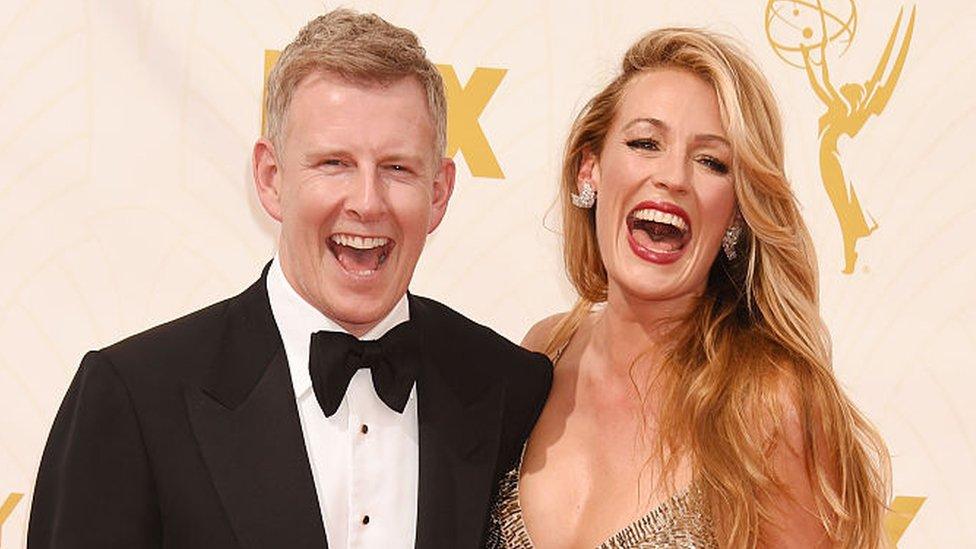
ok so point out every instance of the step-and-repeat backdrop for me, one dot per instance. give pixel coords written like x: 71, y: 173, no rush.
x: 126, y: 197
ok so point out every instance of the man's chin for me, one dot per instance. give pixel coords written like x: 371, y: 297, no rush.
x: 358, y: 302
x: 358, y: 298
x: 359, y: 318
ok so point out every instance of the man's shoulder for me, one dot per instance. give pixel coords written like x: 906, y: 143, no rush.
x: 459, y: 329
x: 186, y: 343
x: 463, y: 335
x: 188, y: 330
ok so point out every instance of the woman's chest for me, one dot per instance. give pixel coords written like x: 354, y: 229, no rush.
x: 581, y: 482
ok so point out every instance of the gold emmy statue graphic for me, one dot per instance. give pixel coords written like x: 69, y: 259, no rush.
x: 800, y: 32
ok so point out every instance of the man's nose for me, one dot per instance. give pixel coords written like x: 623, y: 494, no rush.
x: 367, y: 199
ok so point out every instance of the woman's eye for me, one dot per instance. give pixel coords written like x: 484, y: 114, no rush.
x: 644, y: 144
x: 715, y: 165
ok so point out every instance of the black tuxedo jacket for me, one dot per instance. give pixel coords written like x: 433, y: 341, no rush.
x: 188, y: 436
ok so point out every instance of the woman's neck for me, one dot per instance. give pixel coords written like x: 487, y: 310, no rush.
x: 630, y: 329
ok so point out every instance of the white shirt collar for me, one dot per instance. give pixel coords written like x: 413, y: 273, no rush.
x: 297, y: 320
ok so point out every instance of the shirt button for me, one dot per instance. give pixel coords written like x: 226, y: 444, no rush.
x: 365, y: 519
x: 364, y: 429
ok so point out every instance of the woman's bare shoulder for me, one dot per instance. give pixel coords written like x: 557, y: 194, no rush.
x: 539, y: 334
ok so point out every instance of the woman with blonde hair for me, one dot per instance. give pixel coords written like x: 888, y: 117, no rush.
x: 694, y: 403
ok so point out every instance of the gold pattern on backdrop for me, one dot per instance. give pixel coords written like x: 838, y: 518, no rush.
x: 800, y: 33
x: 270, y: 58
x: 902, y: 510
x: 7, y: 508
x: 464, y: 107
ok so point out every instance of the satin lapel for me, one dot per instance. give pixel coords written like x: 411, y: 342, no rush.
x: 246, y: 423
x: 460, y: 424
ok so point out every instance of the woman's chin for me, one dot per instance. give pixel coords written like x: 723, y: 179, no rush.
x: 642, y: 281
x: 649, y: 287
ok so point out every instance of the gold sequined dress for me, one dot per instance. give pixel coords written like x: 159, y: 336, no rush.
x: 680, y: 521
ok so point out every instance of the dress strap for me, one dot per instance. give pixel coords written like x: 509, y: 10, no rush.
x: 559, y: 352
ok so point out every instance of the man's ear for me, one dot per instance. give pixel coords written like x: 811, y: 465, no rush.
x: 589, y: 170
x: 264, y: 163
x: 441, y: 193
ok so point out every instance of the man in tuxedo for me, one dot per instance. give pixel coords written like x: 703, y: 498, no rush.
x: 324, y: 405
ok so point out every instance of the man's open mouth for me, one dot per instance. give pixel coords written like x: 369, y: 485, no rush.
x: 360, y: 255
x: 658, y: 231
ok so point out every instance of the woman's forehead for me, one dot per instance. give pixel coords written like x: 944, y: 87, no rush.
x: 670, y: 99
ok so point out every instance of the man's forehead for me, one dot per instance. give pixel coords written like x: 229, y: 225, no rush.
x: 323, y: 90
x: 396, y: 111
x: 380, y: 85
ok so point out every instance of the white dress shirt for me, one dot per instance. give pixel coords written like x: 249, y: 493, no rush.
x: 364, y: 458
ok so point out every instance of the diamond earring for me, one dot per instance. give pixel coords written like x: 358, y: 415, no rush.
x: 730, y: 239
x: 586, y: 198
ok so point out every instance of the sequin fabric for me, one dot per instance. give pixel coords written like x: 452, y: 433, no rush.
x: 679, y: 522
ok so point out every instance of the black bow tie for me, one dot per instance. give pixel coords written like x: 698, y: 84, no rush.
x: 392, y: 359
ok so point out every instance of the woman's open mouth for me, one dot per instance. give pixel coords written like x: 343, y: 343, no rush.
x: 658, y: 232
x: 360, y: 255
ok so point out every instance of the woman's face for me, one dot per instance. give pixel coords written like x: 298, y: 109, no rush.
x: 664, y: 187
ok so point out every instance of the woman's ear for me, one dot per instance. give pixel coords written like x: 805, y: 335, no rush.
x: 589, y: 170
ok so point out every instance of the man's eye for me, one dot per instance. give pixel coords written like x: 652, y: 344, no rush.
x: 714, y: 164
x: 644, y: 144
x: 332, y: 162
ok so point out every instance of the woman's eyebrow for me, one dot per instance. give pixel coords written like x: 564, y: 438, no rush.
x: 664, y: 128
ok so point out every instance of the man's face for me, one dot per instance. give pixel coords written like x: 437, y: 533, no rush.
x: 357, y: 186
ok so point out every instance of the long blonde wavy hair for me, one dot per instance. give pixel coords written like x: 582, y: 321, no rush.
x: 758, y: 322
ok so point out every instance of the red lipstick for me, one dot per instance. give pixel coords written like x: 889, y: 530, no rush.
x: 658, y: 257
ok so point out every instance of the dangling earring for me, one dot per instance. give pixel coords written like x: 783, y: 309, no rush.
x: 731, y: 238
x: 586, y: 198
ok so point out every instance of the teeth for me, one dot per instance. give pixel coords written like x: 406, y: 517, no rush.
x: 650, y: 214
x: 359, y: 242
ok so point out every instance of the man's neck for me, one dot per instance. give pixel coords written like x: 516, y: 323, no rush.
x: 292, y: 292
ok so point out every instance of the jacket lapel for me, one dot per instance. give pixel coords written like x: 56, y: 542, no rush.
x: 460, y: 416
x: 246, y: 423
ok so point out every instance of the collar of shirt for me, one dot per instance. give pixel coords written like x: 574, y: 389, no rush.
x: 297, y: 320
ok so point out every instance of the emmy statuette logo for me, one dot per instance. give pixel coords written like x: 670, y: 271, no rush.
x: 806, y: 34
x: 811, y: 35
x: 464, y: 106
